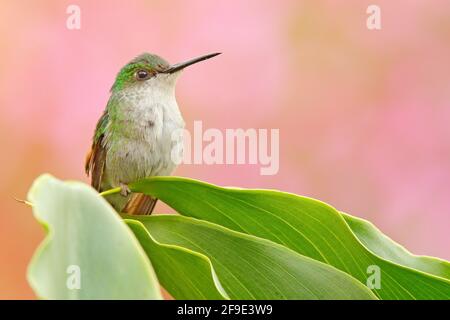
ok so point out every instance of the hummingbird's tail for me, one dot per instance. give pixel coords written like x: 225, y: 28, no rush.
x: 140, y: 204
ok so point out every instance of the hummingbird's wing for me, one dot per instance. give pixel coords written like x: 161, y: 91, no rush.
x: 95, y: 164
x: 96, y: 157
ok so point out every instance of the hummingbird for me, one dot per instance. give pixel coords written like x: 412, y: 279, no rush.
x: 134, y: 136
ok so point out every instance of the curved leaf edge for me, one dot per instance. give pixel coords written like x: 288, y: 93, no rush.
x: 398, y: 246
x: 129, y: 219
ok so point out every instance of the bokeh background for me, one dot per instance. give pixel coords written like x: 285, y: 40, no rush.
x: 363, y: 115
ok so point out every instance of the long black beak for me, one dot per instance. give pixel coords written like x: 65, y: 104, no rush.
x: 179, y: 66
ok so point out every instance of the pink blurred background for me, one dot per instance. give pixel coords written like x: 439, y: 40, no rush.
x: 363, y: 115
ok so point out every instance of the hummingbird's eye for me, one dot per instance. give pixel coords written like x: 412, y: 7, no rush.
x: 142, y: 74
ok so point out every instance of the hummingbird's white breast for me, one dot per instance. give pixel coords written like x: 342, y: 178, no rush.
x: 140, y: 138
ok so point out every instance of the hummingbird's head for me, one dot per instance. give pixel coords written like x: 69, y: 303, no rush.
x: 150, y: 67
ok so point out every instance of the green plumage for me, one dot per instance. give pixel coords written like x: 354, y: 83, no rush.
x: 147, y: 61
x: 101, y: 126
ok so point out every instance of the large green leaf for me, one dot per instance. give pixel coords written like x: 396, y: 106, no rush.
x: 383, y: 246
x: 184, y: 273
x: 248, y: 267
x: 89, y: 253
x: 305, y: 225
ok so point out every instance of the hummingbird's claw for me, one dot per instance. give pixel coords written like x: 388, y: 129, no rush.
x: 124, y: 190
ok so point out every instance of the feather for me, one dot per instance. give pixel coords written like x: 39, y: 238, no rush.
x: 95, y: 163
x: 96, y: 157
x: 140, y: 204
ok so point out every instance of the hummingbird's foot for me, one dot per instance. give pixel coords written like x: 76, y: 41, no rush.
x: 124, y: 190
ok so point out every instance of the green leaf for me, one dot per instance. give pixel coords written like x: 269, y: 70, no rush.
x: 184, y: 273
x: 249, y: 267
x: 87, y: 245
x: 383, y: 246
x: 307, y: 226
